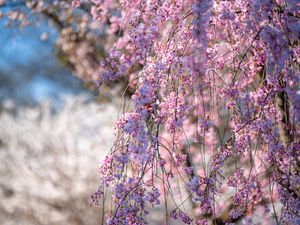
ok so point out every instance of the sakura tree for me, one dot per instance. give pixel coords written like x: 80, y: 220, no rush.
x: 211, y: 131
x: 214, y: 118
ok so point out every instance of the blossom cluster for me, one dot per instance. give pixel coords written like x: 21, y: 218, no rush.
x: 215, y: 106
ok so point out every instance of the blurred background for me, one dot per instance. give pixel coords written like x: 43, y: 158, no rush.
x: 53, y: 130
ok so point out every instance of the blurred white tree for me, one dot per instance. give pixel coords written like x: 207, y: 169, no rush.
x: 49, y: 161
